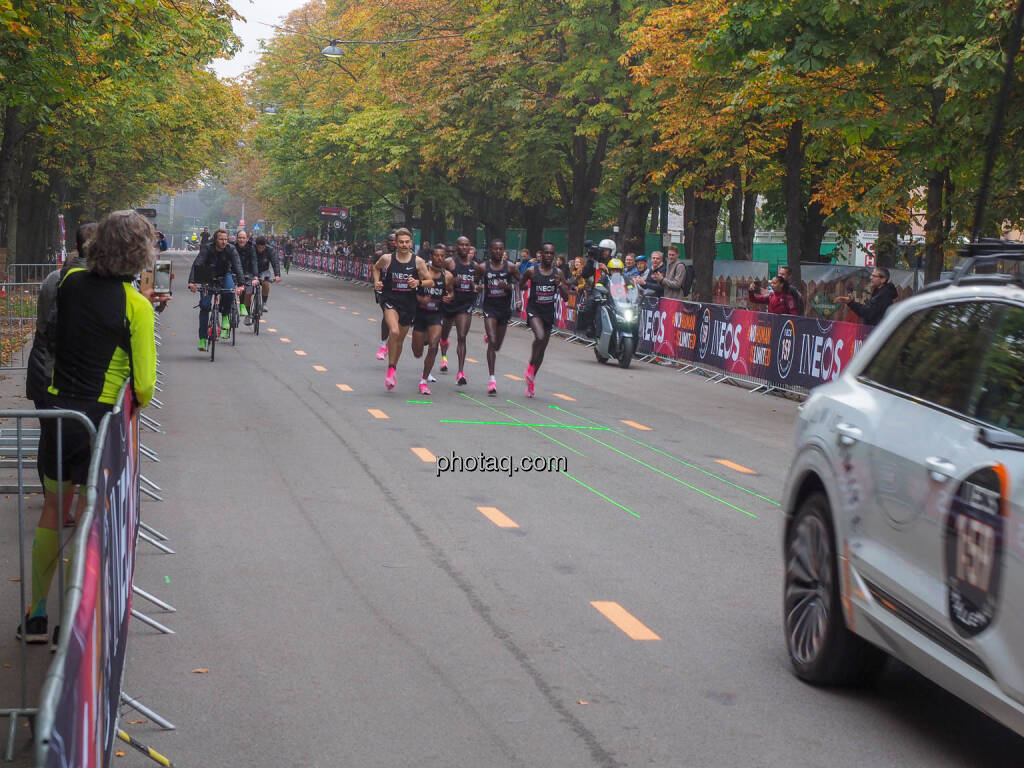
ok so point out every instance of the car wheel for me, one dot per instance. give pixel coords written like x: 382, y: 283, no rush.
x: 821, y: 648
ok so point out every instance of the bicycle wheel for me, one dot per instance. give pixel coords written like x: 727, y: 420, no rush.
x: 256, y: 310
x: 213, y: 331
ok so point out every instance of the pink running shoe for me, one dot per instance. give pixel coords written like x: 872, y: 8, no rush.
x: 424, y: 389
x: 492, y: 389
x: 529, y: 381
x: 389, y: 380
x: 382, y: 352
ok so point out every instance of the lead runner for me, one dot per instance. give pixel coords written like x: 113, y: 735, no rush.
x: 405, y: 272
x: 545, y: 281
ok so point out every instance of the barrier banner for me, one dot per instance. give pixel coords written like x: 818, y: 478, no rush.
x: 85, y: 721
x: 784, y: 350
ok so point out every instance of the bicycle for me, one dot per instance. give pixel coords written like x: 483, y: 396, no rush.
x: 213, y: 327
x: 256, y: 307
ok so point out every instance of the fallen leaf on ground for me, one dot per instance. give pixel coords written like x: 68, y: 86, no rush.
x: 137, y: 722
x: 119, y: 753
x: 200, y: 671
x: 15, y: 579
x: 581, y: 701
x: 7, y: 666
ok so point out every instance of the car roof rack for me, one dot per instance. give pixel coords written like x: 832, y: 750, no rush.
x: 987, y: 252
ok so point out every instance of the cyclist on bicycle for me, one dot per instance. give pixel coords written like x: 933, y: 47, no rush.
x: 223, y: 258
x: 264, y: 258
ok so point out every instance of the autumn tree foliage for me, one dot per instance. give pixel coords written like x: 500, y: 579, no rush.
x: 104, y: 103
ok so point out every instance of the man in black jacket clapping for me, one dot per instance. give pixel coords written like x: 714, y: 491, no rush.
x: 883, y: 294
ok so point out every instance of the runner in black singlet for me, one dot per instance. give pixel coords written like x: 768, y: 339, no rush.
x: 500, y: 285
x: 390, y: 248
x: 427, y: 326
x: 402, y: 274
x: 458, y: 309
x: 545, y: 281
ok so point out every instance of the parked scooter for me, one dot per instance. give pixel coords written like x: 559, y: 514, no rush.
x: 617, y: 321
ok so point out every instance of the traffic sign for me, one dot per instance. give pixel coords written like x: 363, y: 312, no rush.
x: 333, y: 212
x: 149, y: 213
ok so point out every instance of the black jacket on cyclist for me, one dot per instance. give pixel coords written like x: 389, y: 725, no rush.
x: 223, y: 262
x: 266, y: 260
x: 247, y: 257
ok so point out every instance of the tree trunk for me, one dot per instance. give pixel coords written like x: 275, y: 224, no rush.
x: 633, y: 215
x: 534, y: 219
x: 704, y: 224
x: 794, y: 162
x: 749, y: 220
x: 654, y: 209
x: 739, y: 208
x: 579, y: 190
x: 689, y: 216
x: 426, y: 221
x: 934, y: 226
x: 14, y: 133
x: 813, y: 232
x: 886, y: 244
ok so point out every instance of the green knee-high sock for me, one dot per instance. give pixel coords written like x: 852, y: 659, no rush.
x: 45, y: 551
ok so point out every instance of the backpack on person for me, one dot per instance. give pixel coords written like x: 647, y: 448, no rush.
x: 688, y: 279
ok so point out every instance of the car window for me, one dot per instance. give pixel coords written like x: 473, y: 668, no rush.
x: 936, y: 354
x: 999, y: 400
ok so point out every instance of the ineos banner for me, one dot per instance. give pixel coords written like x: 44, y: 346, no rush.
x: 783, y: 349
x: 85, y: 722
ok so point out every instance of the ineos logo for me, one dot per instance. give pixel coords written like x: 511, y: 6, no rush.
x: 785, y: 353
x: 705, y: 333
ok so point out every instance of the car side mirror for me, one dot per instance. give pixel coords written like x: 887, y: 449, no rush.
x: 993, y: 438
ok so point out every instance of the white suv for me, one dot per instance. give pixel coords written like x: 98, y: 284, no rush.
x: 905, y: 501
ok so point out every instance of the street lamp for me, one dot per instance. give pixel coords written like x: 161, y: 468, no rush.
x: 332, y: 51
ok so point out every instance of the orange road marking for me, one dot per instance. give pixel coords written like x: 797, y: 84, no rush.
x: 565, y: 397
x: 634, y: 425
x: 376, y: 413
x: 471, y: 360
x: 272, y: 330
x: 344, y: 387
x: 424, y: 455
x: 283, y: 338
x: 319, y: 368
x: 497, y: 517
x: 355, y: 313
x: 330, y: 302
x: 513, y: 377
x: 737, y: 467
x: 340, y: 307
x: 300, y: 353
x: 373, y: 319
x: 624, y: 620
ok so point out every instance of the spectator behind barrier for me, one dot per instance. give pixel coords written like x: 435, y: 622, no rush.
x: 780, y: 301
x: 883, y: 294
x: 104, y: 336
x: 786, y: 275
x: 676, y: 283
x: 652, y: 284
x: 40, y: 359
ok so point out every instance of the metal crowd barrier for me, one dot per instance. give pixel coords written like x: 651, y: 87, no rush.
x: 28, y: 273
x: 59, y: 713
x: 25, y: 443
x: 17, y: 322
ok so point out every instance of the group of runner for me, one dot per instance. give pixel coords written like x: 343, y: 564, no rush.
x: 432, y: 297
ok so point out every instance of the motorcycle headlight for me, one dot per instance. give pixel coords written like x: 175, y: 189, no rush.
x: 627, y: 315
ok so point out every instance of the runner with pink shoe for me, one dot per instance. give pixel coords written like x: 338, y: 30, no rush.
x: 545, y: 281
x: 426, y: 328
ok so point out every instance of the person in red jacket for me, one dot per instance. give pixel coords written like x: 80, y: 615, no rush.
x: 780, y: 301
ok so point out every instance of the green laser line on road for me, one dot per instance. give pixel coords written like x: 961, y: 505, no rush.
x: 519, y: 424
x: 419, y: 402
x: 676, y: 459
x: 532, y: 429
x: 654, y: 469
x: 594, y: 490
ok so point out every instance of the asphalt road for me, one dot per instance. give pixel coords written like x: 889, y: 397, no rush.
x: 353, y: 608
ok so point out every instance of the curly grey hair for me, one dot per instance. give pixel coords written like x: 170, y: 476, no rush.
x: 123, y: 246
